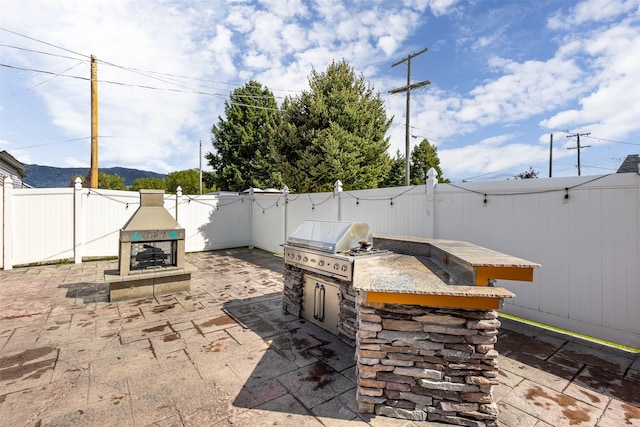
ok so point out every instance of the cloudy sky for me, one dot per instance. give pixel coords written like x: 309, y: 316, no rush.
x: 504, y: 74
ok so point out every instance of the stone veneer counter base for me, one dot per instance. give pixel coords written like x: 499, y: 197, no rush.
x: 424, y: 363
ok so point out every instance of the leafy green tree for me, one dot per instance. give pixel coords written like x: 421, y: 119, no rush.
x: 424, y: 157
x: 188, y: 180
x: 334, y: 131
x: 149, y: 183
x: 242, y: 158
x: 109, y: 181
x: 395, y: 176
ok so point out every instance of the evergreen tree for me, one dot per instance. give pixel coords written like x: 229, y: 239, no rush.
x: 334, y: 131
x: 242, y: 158
x: 424, y: 157
x: 395, y: 177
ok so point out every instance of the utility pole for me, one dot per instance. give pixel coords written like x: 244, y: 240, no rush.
x: 550, y: 153
x: 407, y: 89
x: 93, y: 175
x: 578, y: 147
x: 200, y: 167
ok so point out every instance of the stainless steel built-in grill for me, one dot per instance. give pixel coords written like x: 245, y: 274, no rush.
x: 328, y: 247
x: 325, y: 251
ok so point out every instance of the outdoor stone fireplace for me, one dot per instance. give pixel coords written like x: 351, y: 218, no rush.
x: 151, y: 256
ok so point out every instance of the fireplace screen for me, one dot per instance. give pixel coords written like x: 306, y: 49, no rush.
x: 153, y: 254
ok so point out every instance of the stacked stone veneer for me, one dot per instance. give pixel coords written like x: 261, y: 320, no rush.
x: 413, y: 362
x: 292, y: 300
x: 293, y: 291
x: 424, y: 363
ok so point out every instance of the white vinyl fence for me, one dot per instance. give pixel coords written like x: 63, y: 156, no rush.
x: 585, y: 231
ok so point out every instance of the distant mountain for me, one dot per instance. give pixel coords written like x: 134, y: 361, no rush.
x: 52, y: 177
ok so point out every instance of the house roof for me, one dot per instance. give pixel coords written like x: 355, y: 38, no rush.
x: 11, y: 161
x: 630, y: 164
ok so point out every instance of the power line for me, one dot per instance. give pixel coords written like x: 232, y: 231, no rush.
x: 61, y: 74
x: 217, y: 95
x: 130, y: 69
x: 47, y: 43
x: 611, y: 140
x: 39, y: 51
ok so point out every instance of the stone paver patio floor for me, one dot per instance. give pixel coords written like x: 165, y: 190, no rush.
x: 225, y: 353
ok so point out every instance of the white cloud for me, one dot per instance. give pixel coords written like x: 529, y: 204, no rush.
x: 489, y: 156
x: 592, y: 11
x: 441, y: 7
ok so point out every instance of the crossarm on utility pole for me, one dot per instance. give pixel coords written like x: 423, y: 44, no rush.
x: 407, y: 89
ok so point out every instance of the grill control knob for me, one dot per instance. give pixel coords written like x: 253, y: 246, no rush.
x: 344, y: 267
x: 336, y: 266
x: 305, y: 259
x: 321, y: 262
x: 299, y: 257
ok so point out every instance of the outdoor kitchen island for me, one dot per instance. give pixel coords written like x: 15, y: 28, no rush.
x: 426, y: 325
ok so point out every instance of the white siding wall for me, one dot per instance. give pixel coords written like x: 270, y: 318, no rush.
x: 212, y: 221
x: 103, y: 213
x: 588, y: 246
x: 42, y: 225
x: 267, y: 221
x: 399, y: 210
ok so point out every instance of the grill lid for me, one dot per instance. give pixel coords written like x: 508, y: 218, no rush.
x: 330, y: 236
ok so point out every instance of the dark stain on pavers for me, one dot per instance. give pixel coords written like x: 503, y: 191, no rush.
x: 162, y: 308
x: 592, y: 397
x: 551, y: 368
x: 25, y: 357
x: 602, y: 381
x: 630, y: 413
x: 158, y: 328
x: 592, y: 360
x: 26, y: 364
x: 212, y: 347
x: 218, y: 321
x: 300, y: 343
x: 20, y: 316
x: 574, y: 414
x: 171, y: 337
x: 516, y: 342
x: 320, y: 374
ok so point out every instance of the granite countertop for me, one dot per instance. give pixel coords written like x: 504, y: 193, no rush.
x: 467, y: 253
x: 407, y: 274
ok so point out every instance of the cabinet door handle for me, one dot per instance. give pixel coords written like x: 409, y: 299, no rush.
x: 315, y: 300
x: 321, y: 305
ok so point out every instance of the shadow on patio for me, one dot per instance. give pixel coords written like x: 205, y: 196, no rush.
x: 303, y: 371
